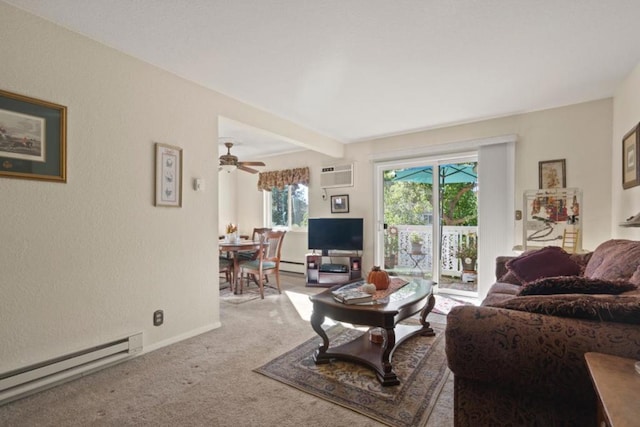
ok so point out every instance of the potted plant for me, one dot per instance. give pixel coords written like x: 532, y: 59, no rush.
x: 468, y: 254
x: 416, y: 243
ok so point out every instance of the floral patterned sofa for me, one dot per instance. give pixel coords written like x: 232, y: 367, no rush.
x: 518, y: 359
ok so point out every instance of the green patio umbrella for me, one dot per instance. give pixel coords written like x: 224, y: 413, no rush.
x: 449, y: 174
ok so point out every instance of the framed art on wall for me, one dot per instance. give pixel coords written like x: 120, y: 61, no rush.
x: 340, y: 204
x: 33, y: 138
x: 168, y: 188
x: 552, y: 174
x: 630, y: 157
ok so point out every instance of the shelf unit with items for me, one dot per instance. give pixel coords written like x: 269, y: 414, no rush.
x: 552, y: 217
x: 327, y: 271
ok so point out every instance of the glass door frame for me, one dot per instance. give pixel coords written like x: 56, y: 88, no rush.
x: 379, y: 168
x: 434, y: 162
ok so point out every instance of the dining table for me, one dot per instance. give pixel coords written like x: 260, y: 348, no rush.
x: 234, y: 247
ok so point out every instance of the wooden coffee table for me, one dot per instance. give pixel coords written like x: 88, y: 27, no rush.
x: 412, y: 298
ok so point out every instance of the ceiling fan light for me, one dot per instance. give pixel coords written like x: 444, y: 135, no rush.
x: 228, y: 168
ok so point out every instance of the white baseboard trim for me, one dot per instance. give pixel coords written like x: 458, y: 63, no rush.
x: 292, y: 267
x: 181, y: 337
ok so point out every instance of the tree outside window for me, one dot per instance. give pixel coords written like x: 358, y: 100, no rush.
x: 410, y: 202
x: 290, y: 207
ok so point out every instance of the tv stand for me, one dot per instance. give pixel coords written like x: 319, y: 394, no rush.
x: 338, y: 269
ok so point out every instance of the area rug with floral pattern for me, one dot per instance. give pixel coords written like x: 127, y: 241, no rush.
x: 420, y: 364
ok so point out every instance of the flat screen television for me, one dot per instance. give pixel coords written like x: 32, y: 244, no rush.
x: 343, y: 234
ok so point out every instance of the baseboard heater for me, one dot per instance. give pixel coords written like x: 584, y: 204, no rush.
x: 24, y: 381
x: 292, y: 267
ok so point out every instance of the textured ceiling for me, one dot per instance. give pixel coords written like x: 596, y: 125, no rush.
x: 359, y: 69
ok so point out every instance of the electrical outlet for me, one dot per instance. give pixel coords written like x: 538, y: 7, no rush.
x: 158, y: 317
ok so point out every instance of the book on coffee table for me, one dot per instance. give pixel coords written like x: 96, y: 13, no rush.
x: 354, y: 297
x: 351, y: 294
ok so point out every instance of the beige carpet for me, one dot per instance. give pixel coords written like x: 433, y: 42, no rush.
x: 420, y: 364
x: 207, y: 380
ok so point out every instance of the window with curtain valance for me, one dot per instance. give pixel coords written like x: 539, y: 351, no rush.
x: 280, y: 179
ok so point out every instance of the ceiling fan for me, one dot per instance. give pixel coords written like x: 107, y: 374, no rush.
x: 229, y: 162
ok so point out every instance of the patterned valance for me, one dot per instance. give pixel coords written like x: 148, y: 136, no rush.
x: 280, y: 179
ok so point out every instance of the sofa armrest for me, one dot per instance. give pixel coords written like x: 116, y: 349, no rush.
x: 532, y: 353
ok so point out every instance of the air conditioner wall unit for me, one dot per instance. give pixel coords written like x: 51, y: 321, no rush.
x: 336, y: 176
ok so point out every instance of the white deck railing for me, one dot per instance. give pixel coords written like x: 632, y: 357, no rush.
x: 452, y: 237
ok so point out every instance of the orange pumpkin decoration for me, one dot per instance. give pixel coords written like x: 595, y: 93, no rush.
x: 379, y: 277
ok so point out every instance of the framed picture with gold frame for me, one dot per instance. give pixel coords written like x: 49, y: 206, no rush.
x: 630, y: 157
x: 168, y: 188
x: 33, y: 138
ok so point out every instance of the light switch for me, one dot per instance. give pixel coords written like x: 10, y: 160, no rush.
x: 198, y: 184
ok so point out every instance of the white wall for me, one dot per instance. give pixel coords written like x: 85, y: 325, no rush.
x: 227, y: 201
x: 90, y: 260
x: 580, y: 133
x: 250, y: 207
x: 626, y: 115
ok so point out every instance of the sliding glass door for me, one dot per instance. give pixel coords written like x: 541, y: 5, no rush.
x: 408, y: 218
x: 428, y: 227
x: 459, y: 227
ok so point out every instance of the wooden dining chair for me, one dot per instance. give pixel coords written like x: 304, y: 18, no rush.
x: 226, y: 268
x: 257, y: 232
x: 251, y: 255
x: 255, y: 236
x: 266, y: 262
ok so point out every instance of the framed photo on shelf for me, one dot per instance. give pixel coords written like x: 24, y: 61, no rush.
x: 630, y: 157
x: 552, y: 174
x: 340, y: 204
x: 33, y: 138
x: 168, y: 188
